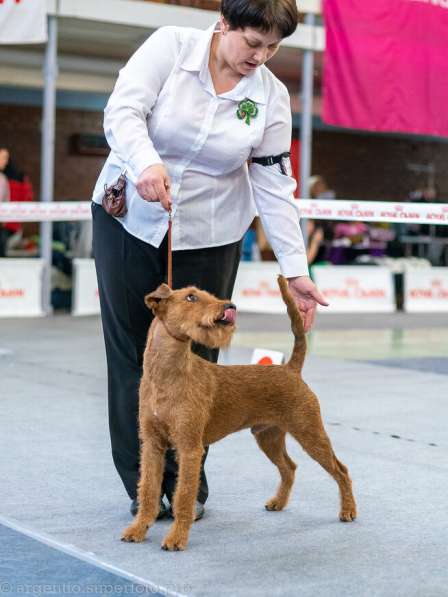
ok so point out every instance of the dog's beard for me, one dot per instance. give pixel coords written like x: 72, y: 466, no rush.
x: 216, y: 336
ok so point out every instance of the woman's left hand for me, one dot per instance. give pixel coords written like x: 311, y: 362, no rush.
x: 306, y: 296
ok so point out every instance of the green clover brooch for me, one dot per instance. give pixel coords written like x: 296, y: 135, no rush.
x: 247, y: 109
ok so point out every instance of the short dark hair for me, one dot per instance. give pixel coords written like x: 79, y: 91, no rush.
x: 266, y: 15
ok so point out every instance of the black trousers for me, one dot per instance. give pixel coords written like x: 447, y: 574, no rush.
x: 128, y: 269
x: 4, y: 235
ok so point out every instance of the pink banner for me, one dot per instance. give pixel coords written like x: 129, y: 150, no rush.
x: 386, y: 65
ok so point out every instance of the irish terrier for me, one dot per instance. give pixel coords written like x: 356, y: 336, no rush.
x: 188, y: 403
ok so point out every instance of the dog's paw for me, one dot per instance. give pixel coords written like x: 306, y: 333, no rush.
x: 274, y: 505
x: 134, y: 534
x: 175, y: 542
x: 348, y: 514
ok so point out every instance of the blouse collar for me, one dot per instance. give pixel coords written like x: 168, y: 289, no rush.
x: 250, y: 86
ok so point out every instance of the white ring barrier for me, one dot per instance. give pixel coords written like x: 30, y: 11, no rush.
x: 348, y: 289
x: 426, y: 290
x: 336, y: 209
x: 374, y: 211
x: 85, y: 296
x: 356, y: 289
x: 56, y: 211
x: 21, y: 287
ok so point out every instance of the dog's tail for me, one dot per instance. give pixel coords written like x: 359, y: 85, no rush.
x: 299, y: 350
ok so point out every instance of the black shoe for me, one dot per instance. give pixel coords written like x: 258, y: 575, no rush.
x: 199, y: 511
x: 162, y: 512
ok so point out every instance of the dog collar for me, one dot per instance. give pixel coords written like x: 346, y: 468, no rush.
x: 170, y: 334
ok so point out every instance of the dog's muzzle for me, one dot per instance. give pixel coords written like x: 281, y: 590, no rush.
x: 229, y: 315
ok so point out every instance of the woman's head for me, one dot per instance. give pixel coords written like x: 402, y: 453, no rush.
x: 267, y: 16
x: 251, y: 31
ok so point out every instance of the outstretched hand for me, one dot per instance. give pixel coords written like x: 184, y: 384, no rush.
x: 306, y: 296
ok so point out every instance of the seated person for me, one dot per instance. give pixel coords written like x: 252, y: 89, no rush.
x: 319, y: 235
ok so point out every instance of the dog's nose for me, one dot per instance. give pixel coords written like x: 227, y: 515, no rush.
x: 229, y: 306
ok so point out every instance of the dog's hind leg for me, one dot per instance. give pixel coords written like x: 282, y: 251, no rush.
x: 272, y: 441
x: 313, y: 438
x: 149, y: 488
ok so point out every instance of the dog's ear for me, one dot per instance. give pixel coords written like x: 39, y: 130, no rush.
x: 153, y: 299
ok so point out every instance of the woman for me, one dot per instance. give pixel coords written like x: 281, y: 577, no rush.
x: 4, y: 196
x: 188, y: 111
x: 19, y: 189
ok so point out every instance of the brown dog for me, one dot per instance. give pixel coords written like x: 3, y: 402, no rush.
x: 188, y: 403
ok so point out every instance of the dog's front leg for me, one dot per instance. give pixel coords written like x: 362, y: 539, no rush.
x: 184, y: 498
x: 149, y: 489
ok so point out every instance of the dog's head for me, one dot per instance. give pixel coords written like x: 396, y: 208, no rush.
x: 195, y: 314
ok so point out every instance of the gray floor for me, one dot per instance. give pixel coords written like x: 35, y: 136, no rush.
x: 387, y: 423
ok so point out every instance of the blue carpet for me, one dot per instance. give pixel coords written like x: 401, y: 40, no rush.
x: 28, y: 566
x: 428, y: 364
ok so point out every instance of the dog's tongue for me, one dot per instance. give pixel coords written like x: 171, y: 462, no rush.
x: 230, y: 315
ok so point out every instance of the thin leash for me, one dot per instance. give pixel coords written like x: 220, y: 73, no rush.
x: 170, y: 272
x: 170, y: 256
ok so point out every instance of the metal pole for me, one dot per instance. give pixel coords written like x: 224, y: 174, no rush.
x: 306, y: 124
x: 47, y: 154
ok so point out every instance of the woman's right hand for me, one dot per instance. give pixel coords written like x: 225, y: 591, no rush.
x: 154, y: 184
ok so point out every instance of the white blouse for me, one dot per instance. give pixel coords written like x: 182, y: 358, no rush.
x: 164, y: 109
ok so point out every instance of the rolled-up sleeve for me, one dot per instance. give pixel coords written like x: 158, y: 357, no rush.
x: 274, y: 192
x: 134, y: 95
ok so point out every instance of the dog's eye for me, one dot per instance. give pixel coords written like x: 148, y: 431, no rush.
x: 192, y: 298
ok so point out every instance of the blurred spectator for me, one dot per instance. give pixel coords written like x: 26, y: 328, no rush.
x: 250, y: 249
x: 320, y: 236
x: 20, y: 189
x: 347, y: 236
x: 353, y: 240
x: 352, y: 233
x: 4, y: 187
x: 427, y: 194
x: 382, y: 235
x: 4, y: 196
x: 320, y: 232
x: 424, y: 240
x: 424, y: 195
x: 318, y: 188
